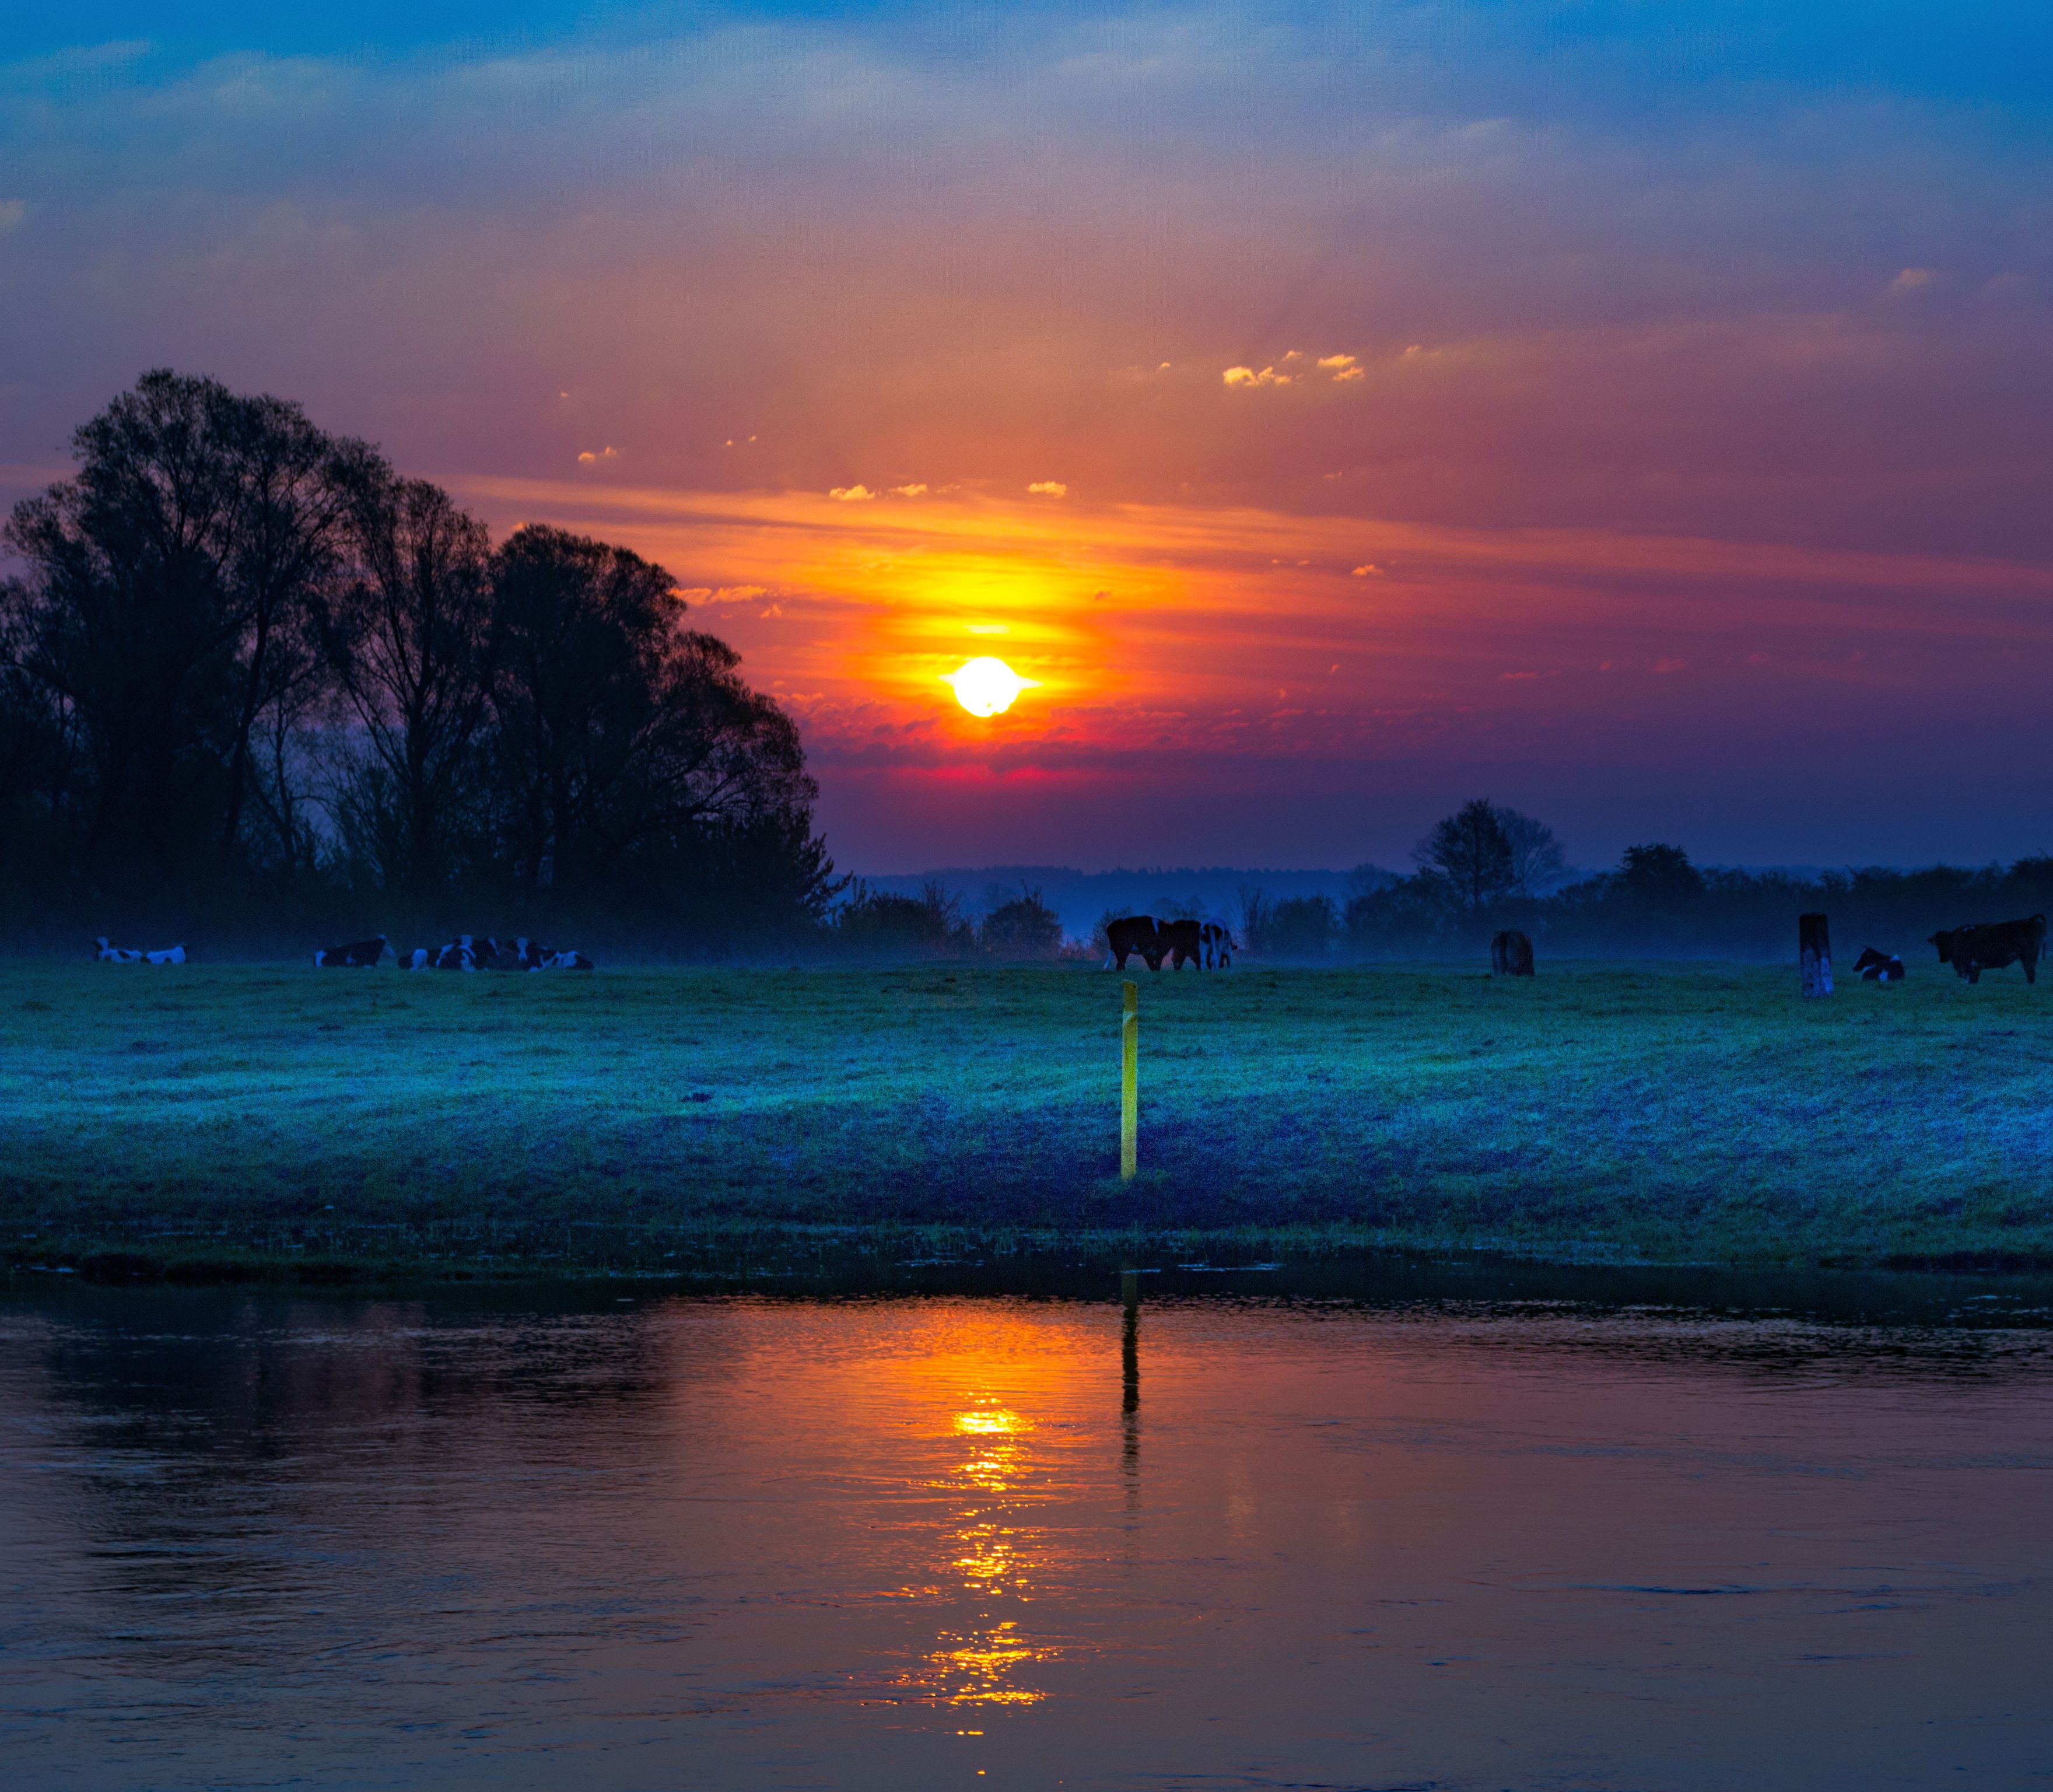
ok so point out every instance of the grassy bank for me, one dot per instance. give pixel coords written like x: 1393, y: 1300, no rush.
x: 212, y: 1117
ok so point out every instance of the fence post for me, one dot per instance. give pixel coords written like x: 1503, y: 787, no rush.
x: 1129, y: 1080
x: 1814, y: 954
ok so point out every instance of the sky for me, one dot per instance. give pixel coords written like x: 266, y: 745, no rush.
x: 1637, y: 413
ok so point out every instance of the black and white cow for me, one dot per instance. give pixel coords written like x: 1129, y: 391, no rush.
x: 561, y: 961
x: 1876, y: 967
x: 359, y: 955
x: 1219, y: 946
x: 107, y: 954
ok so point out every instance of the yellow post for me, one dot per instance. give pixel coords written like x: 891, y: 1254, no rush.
x: 1129, y: 1083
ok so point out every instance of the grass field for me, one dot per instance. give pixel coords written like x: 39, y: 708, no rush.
x: 205, y: 1117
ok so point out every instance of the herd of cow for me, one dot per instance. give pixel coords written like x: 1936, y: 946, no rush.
x: 467, y: 952
x: 1205, y: 944
x: 1986, y: 946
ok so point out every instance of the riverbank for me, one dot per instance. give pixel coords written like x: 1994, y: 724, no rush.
x: 219, y: 1122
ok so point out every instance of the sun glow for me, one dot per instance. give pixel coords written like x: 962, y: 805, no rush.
x: 986, y: 686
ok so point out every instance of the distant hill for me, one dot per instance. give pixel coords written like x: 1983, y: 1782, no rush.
x: 1080, y: 896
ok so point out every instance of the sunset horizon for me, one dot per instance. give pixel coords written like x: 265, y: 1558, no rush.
x: 1637, y: 421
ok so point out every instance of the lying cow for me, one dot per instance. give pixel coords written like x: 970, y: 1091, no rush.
x: 134, y: 955
x: 563, y: 961
x: 1134, y: 934
x: 468, y: 952
x: 1876, y: 967
x: 360, y: 955
x: 1991, y: 945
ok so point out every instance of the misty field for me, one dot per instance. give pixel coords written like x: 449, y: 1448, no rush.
x: 199, y: 1118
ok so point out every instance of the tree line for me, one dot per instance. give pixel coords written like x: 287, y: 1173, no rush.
x: 251, y: 674
x: 1487, y: 867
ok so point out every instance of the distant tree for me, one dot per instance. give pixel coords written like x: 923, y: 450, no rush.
x: 881, y: 924
x: 1023, y: 927
x: 1659, y: 876
x: 1471, y: 850
x: 1299, y: 927
x: 1537, y: 865
x: 1366, y: 880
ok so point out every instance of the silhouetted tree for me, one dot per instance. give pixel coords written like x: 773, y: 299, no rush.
x: 1024, y: 927
x: 621, y: 735
x: 1537, y: 865
x: 163, y: 581
x: 1471, y: 850
x: 1660, y: 876
x: 409, y: 634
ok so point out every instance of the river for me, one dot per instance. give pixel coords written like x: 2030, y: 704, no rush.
x: 651, y: 1540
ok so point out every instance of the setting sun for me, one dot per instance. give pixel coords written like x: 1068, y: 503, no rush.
x: 986, y: 686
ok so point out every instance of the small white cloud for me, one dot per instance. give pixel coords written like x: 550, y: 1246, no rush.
x: 1414, y: 349
x: 12, y: 212
x: 852, y: 494
x: 1048, y: 487
x: 604, y: 455
x: 740, y: 594
x: 1911, y: 279
x: 1343, y: 367
x: 1367, y: 570
x: 1247, y: 376
x: 772, y: 613
x: 908, y: 491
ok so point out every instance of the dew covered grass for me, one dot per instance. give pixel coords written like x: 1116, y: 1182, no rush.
x: 218, y: 1115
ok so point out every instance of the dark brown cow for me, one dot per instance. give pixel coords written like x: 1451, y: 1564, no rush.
x: 358, y: 955
x: 1511, y: 954
x: 1184, y: 941
x: 1990, y: 945
x: 1135, y: 933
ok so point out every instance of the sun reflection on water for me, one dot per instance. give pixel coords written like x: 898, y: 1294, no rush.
x: 992, y: 1558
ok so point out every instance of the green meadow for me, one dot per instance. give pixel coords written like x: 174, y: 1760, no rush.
x: 208, y: 1120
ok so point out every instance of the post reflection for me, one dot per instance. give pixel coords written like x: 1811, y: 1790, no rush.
x: 1129, y: 1405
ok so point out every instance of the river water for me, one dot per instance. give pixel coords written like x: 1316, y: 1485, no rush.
x: 665, y: 1541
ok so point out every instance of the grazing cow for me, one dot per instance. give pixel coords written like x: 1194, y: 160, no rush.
x: 1219, y: 946
x: 1511, y: 954
x: 1136, y: 933
x: 116, y: 954
x: 1877, y: 967
x: 1184, y: 941
x: 1990, y: 945
x: 361, y: 955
